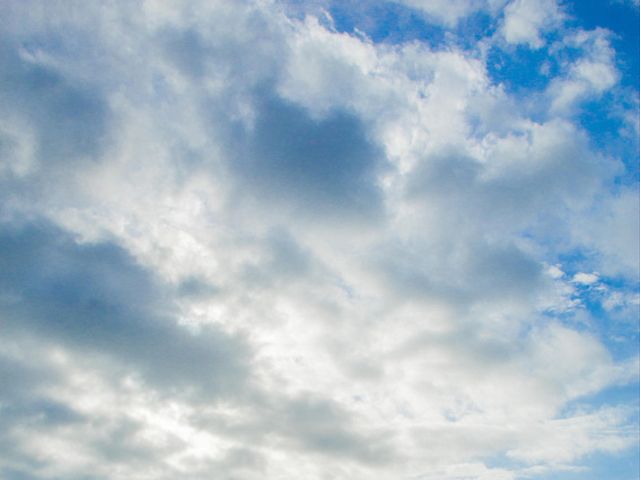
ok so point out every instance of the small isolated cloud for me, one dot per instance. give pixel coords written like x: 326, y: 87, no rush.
x: 585, y: 278
x: 525, y: 21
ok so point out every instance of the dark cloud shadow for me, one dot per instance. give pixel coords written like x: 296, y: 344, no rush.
x: 96, y: 300
x: 318, y: 167
x: 69, y: 119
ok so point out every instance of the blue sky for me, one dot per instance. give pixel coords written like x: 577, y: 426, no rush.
x: 311, y: 239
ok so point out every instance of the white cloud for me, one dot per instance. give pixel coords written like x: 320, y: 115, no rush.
x: 526, y: 20
x: 585, y: 278
x: 592, y: 74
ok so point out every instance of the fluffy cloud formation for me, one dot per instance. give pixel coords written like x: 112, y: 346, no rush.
x: 240, y: 242
x: 526, y: 20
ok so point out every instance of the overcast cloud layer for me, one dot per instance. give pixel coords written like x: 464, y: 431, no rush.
x: 317, y: 240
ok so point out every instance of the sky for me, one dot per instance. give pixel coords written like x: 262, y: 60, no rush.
x: 319, y: 239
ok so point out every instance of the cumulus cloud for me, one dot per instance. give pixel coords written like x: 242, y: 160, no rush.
x: 590, y: 75
x: 526, y: 20
x: 242, y: 243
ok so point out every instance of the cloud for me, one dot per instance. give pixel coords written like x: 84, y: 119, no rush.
x: 240, y: 243
x: 617, y: 254
x: 50, y: 120
x: 94, y: 299
x: 526, y: 20
x: 590, y: 75
x: 93, y: 304
x: 322, y: 166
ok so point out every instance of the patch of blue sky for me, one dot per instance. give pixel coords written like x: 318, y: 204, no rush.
x: 570, y: 261
x: 615, y: 326
x: 602, y: 119
x: 577, y: 260
x: 615, y: 329
x: 520, y: 69
x: 622, y: 18
x: 386, y: 22
x: 523, y: 70
x: 473, y: 28
x: 624, y: 465
x: 503, y: 462
x: 623, y: 396
x: 600, y: 466
x: 618, y: 465
x: 394, y: 23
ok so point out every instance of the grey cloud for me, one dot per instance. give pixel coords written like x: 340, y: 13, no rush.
x: 38, y: 413
x: 284, y: 261
x: 278, y: 155
x: 30, y: 414
x: 319, y: 425
x: 24, y: 405
x: 459, y: 273
x: 18, y: 379
x: 503, y: 271
x: 21, y: 397
x: 243, y: 460
x: 96, y: 300
x: 545, y: 176
x: 319, y: 167
x: 70, y: 119
x: 121, y: 441
x: 16, y: 474
x: 307, y: 423
x: 475, y: 211
x: 111, y: 315
x: 196, y: 288
x: 187, y: 51
x: 246, y: 47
